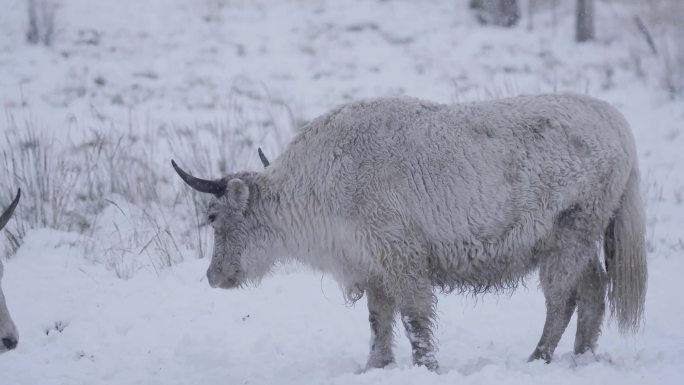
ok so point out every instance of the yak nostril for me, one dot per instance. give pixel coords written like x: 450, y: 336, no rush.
x: 10, y: 343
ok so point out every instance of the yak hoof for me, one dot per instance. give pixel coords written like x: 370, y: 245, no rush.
x: 539, y: 354
x: 432, y: 366
x: 428, y: 361
x: 378, y: 364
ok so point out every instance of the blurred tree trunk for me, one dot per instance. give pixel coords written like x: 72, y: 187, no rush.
x: 32, y: 36
x: 585, y: 20
x: 41, y: 21
x: 531, y: 9
x: 504, y: 13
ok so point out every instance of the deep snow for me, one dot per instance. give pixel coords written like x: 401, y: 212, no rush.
x: 146, y: 64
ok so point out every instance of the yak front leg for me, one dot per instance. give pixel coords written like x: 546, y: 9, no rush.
x: 381, y: 310
x: 417, y: 314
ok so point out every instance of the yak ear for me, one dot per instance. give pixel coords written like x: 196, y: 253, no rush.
x: 238, y: 191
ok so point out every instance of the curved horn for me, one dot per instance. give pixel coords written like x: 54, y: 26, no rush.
x: 201, y: 185
x: 264, y: 161
x: 8, y: 213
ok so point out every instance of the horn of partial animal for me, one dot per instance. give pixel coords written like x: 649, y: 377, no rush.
x: 263, y: 158
x: 202, y: 185
x: 8, y: 213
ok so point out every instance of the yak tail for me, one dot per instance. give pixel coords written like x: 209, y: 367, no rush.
x: 625, y: 255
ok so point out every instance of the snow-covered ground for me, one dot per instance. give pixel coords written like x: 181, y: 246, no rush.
x: 121, y: 298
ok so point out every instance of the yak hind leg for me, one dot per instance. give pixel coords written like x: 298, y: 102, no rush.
x: 560, y: 274
x: 561, y: 271
x: 417, y: 315
x: 560, y: 304
x: 381, y: 311
x: 591, y: 305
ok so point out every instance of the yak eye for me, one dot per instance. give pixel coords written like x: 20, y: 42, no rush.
x: 212, y: 217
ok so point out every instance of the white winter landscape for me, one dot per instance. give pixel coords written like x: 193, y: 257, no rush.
x: 106, y: 255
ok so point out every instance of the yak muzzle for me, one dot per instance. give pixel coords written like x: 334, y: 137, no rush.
x: 218, y: 280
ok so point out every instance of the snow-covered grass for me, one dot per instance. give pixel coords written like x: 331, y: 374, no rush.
x: 104, y: 264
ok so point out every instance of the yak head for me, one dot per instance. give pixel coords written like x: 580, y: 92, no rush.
x: 241, y: 237
x: 8, y: 332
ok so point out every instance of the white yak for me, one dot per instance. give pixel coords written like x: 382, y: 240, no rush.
x: 399, y: 197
